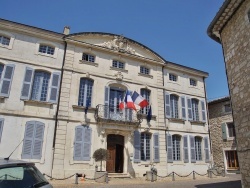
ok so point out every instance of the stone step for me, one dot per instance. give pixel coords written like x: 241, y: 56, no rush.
x: 118, y: 175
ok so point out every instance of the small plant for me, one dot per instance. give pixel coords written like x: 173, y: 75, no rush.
x: 100, y: 155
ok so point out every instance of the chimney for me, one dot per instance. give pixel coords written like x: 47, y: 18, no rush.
x: 66, y: 30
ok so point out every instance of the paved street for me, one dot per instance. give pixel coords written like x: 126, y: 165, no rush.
x: 230, y: 181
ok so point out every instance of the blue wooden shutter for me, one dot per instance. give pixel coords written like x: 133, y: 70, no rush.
x: 78, y: 144
x: 6, y: 80
x: 224, y: 131
x: 38, y: 141
x: 1, y: 128
x: 192, y: 149
x: 54, y: 88
x: 27, y: 83
x: 86, y: 144
x: 167, y: 105
x: 206, y: 148
x: 106, y: 102
x: 137, y: 146
x: 28, y: 140
x: 183, y: 107
x: 156, y: 148
x: 169, y: 148
x: 185, y: 149
x: 189, y: 107
x: 203, y: 110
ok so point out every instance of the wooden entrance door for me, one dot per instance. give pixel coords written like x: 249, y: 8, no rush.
x: 111, y: 158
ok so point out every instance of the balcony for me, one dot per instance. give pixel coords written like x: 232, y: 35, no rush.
x: 105, y: 113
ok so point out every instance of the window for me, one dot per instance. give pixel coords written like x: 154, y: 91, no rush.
x: 231, y: 130
x: 195, y: 109
x: 82, y: 144
x: 145, y: 146
x: 227, y: 108
x: 232, y: 159
x: 88, y: 57
x: 193, y: 82
x: 118, y: 64
x: 4, y: 40
x: 85, y: 91
x: 33, y: 140
x: 173, y: 77
x: 176, y: 147
x: 40, y: 86
x: 146, y: 94
x: 1, y: 127
x: 46, y: 49
x: 144, y: 70
x: 197, y: 142
x: 6, y: 74
x: 174, y: 106
x: 248, y: 14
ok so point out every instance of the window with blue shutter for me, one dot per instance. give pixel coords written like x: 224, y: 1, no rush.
x: 192, y: 149
x: 145, y: 93
x: 169, y: 148
x: 106, y: 102
x: 54, y: 87
x: 82, y: 144
x: 6, y: 79
x: 206, y: 148
x: 156, y: 148
x: 40, y: 86
x: 174, y: 106
x: 85, y: 92
x: 189, y: 107
x: 137, y: 146
x: 183, y: 107
x: 167, y: 105
x: 33, y: 140
x: 27, y: 83
x: 185, y: 149
x: 1, y: 127
x: 224, y: 131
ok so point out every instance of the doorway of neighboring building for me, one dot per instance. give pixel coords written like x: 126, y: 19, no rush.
x: 232, y: 160
x: 115, y: 147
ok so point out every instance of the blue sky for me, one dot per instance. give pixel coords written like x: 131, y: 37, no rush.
x: 175, y: 29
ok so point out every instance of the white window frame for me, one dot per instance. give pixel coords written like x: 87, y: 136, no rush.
x: 173, y: 77
x: 144, y: 70
x: 144, y: 146
x: 174, y: 108
x: 198, y: 148
x: 89, y: 57
x: 192, y: 82
x: 10, y: 36
x: 230, y: 137
x: 118, y: 63
x: 49, y: 50
x: 145, y: 109
x: 85, y: 92
x: 176, y: 148
x: 195, y: 110
x: 46, y: 43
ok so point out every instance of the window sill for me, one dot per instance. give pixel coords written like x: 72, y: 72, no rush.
x: 38, y: 102
x: 176, y: 119
x: 47, y: 55
x: 173, y: 82
x: 230, y: 138
x: 145, y: 116
x: 118, y: 69
x: 178, y: 163
x: 82, y: 108
x: 145, y: 75
x: 5, y: 46
x: 88, y: 63
x: 197, y: 122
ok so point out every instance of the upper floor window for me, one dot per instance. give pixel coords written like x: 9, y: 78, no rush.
x: 33, y: 140
x: 195, y: 109
x: 46, y: 49
x: 144, y: 70
x: 88, y: 57
x: 4, y: 40
x: 174, y: 106
x: 118, y: 64
x: 227, y: 108
x: 198, y: 155
x: 231, y: 130
x: 173, y: 77
x: 38, y: 85
x: 145, y: 146
x: 193, y: 82
x: 176, y: 139
x: 6, y: 75
x: 85, y: 92
x: 146, y: 94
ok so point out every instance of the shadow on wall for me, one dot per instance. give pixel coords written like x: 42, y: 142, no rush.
x: 131, y: 170
x: 229, y: 184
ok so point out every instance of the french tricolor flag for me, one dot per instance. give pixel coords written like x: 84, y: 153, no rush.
x: 139, y: 100
x: 129, y: 102
x: 121, y: 104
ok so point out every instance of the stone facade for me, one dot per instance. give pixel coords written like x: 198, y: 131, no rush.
x: 235, y: 38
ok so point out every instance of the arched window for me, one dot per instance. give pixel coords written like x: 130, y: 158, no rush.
x: 195, y: 109
x: 40, y: 86
x: 174, y: 106
x: 145, y: 146
x: 85, y: 92
x: 146, y: 94
x: 198, y: 154
x: 176, y: 139
x: 4, y: 40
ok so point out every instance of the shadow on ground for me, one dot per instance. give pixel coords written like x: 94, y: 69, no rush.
x: 229, y: 184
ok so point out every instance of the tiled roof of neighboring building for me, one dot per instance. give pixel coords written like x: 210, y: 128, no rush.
x: 222, y: 99
x: 223, y: 15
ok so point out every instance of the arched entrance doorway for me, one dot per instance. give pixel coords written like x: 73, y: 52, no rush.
x: 115, y: 147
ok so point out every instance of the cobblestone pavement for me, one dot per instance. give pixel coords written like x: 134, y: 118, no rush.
x: 230, y: 181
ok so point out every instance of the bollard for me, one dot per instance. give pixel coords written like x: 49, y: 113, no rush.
x: 96, y: 168
x: 193, y: 175
x: 173, y: 176
x: 107, y: 178
x: 152, y: 175
x: 76, y: 179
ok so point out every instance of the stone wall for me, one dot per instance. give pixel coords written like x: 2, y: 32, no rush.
x: 236, y: 46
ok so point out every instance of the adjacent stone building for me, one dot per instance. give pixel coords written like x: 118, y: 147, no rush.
x: 231, y: 28
x: 222, y: 135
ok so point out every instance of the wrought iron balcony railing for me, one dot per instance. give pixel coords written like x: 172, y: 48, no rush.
x: 106, y: 113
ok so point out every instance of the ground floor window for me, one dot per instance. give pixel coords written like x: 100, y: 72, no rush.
x: 145, y: 146
x: 232, y: 159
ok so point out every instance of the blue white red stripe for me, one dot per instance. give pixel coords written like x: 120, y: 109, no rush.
x: 129, y: 102
x: 139, y: 100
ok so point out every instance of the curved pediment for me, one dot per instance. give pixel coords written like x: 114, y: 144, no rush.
x: 117, y: 43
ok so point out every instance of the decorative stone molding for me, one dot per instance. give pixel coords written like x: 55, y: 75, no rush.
x: 119, y: 76
x: 119, y: 43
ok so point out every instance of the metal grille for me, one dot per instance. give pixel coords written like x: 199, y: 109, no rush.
x: 85, y: 91
x: 146, y: 94
x: 47, y: 49
x: 198, y: 156
x: 118, y: 64
x: 144, y: 70
x: 145, y: 146
x: 195, y: 109
x: 174, y: 106
x: 176, y: 147
x: 4, y: 40
x: 40, y: 86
